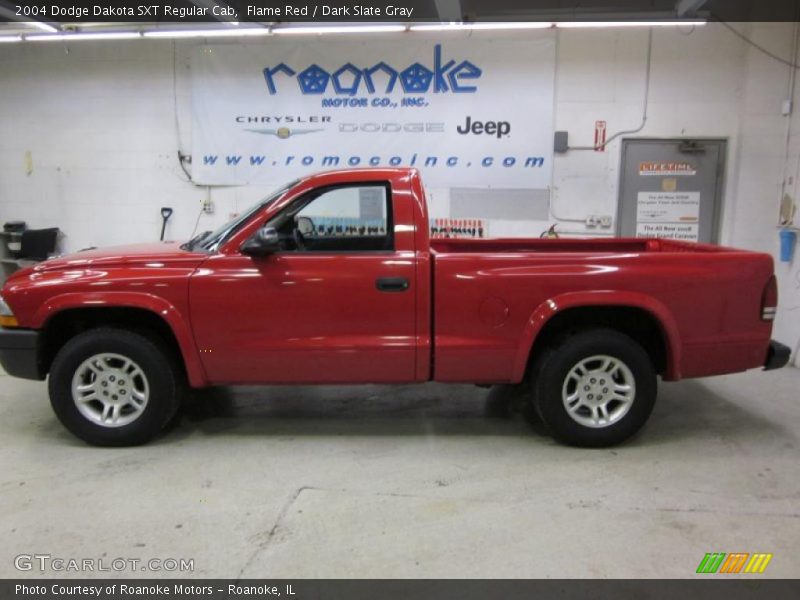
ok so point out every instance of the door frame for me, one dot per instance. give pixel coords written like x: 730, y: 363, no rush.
x: 719, y: 179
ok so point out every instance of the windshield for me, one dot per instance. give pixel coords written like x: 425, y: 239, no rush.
x: 211, y: 240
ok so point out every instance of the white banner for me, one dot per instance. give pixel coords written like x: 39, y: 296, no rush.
x: 465, y: 112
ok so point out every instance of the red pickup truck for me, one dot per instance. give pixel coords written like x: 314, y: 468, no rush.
x: 334, y: 279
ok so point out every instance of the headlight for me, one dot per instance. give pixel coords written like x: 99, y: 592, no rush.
x: 7, y: 318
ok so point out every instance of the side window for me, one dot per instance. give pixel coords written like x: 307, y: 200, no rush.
x: 354, y: 218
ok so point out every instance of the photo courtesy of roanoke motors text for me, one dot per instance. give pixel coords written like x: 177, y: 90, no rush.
x: 414, y: 299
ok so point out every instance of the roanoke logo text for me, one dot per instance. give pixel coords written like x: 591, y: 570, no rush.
x: 440, y: 76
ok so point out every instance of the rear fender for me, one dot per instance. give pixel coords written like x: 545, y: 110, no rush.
x: 553, y: 306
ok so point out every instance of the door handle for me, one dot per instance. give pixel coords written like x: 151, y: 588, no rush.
x: 391, y: 284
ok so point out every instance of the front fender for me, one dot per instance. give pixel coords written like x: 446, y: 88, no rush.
x: 155, y: 304
x: 553, y: 306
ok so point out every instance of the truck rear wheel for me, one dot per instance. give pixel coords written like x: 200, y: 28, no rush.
x: 594, y: 389
x: 112, y: 387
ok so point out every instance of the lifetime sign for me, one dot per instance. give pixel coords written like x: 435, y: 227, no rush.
x: 442, y: 76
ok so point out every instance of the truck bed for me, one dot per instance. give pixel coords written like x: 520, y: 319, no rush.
x: 490, y: 296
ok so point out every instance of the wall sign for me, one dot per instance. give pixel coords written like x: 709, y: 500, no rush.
x: 662, y: 169
x: 670, y: 215
x: 467, y: 113
x: 600, y: 136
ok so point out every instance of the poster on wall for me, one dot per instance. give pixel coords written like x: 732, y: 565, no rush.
x: 466, y: 113
x: 670, y: 215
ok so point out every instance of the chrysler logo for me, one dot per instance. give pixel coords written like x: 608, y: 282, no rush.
x: 283, y: 132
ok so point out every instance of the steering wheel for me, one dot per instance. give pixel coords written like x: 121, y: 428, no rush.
x: 299, y: 241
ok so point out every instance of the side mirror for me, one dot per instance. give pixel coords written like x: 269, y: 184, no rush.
x: 305, y: 226
x: 263, y: 242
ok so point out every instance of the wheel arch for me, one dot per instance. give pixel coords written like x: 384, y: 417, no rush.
x: 640, y: 316
x: 63, y: 317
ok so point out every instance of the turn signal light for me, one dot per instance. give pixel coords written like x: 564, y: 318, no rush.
x: 7, y: 318
x: 8, y: 321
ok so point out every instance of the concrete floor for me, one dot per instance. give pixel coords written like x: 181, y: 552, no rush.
x: 426, y: 481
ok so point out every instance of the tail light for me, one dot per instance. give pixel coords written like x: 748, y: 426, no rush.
x: 769, y: 300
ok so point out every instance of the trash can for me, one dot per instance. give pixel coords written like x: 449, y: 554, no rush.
x: 788, y: 240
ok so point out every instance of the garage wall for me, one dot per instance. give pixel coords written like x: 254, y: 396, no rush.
x: 89, y: 135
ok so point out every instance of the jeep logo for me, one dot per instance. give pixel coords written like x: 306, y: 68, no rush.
x: 496, y: 128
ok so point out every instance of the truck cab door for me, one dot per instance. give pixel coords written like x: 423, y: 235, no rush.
x: 335, y: 303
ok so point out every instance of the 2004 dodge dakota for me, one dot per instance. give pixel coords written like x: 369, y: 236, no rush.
x: 334, y: 279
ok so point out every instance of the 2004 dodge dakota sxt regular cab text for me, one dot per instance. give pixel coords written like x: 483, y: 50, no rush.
x: 293, y: 292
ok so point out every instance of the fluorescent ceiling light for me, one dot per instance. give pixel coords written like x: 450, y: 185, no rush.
x: 310, y: 30
x: 42, y: 26
x: 590, y: 24
x: 481, y: 26
x: 66, y: 37
x: 206, y: 33
x: 341, y: 29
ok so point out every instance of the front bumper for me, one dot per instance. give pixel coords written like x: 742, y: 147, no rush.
x: 777, y: 356
x: 19, y: 353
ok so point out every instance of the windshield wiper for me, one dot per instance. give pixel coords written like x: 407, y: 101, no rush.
x: 196, y: 240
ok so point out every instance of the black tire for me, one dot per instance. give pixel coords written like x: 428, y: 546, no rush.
x: 156, y: 369
x: 551, y: 390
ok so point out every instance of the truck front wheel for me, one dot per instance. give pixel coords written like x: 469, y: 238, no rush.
x: 594, y: 389
x: 112, y: 387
